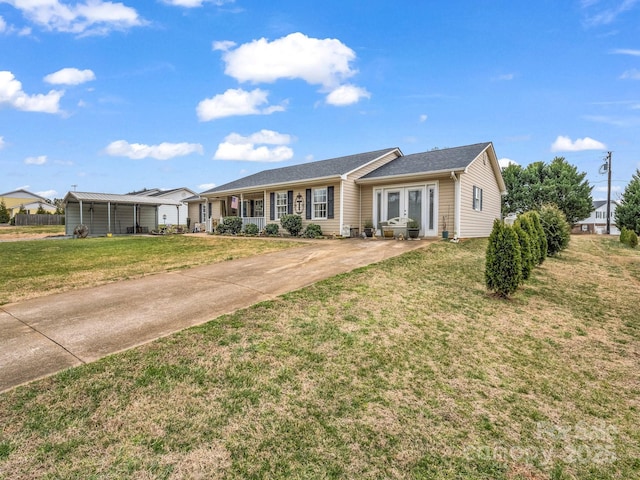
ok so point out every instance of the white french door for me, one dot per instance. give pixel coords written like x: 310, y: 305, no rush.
x: 418, y: 202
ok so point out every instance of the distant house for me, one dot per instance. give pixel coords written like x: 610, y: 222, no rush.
x: 22, y: 199
x: 106, y: 213
x: 169, y: 214
x: 455, y: 189
x: 597, y: 221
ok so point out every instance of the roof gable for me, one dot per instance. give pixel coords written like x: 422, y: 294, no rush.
x: 446, y: 159
x: 21, y: 193
x: 333, y: 167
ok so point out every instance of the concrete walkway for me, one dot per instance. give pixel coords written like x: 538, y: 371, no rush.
x: 42, y: 336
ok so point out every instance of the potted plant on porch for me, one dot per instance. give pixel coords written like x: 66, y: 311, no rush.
x: 445, y: 232
x: 368, y: 228
x: 413, y: 229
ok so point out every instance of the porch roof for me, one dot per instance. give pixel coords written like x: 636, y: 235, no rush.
x: 320, y: 169
x: 116, y: 198
x: 435, y: 161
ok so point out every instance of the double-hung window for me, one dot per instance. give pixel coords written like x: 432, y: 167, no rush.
x: 319, y: 203
x: 477, y: 198
x: 258, y: 208
x: 281, y: 204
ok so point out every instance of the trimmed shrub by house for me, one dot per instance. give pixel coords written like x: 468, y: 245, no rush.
x: 526, y: 253
x: 503, y: 268
x: 292, y: 224
x: 251, y: 229
x: 272, y: 229
x: 624, y: 235
x: 632, y: 239
x: 556, y: 229
x: 526, y: 222
x: 229, y: 226
x: 312, y: 231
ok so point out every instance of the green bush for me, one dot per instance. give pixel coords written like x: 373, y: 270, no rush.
x: 271, y: 229
x: 230, y: 226
x: 251, y: 229
x: 541, y: 236
x: 503, y: 268
x: 526, y: 223
x: 292, y: 224
x: 632, y: 240
x: 312, y: 231
x: 556, y: 229
x: 526, y: 252
x: 624, y: 235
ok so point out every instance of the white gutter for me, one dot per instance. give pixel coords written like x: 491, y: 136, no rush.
x: 457, y: 204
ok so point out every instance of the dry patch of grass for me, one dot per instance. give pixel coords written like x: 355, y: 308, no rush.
x: 41, y: 267
x: 404, y: 369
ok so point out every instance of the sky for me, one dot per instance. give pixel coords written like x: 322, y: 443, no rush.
x: 114, y: 97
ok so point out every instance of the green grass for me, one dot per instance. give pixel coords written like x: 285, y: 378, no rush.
x: 403, y: 369
x: 37, y: 267
x: 32, y: 230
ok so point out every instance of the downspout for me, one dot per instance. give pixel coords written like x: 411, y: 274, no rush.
x: 457, y: 203
x: 340, y: 231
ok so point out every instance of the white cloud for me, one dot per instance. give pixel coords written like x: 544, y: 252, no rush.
x: 235, y: 102
x: 2, y: 143
x: 3, y: 25
x: 70, y: 76
x: 238, y: 147
x: 505, y: 162
x: 347, y: 95
x: 91, y: 17
x: 41, y: 160
x: 506, y: 77
x: 317, y: 61
x: 626, y: 51
x: 11, y: 93
x: 423, y: 118
x: 607, y: 15
x: 196, y: 3
x: 564, y: 144
x: 164, y: 151
x: 632, y: 74
x: 48, y: 194
x: 206, y: 186
x: 224, y: 45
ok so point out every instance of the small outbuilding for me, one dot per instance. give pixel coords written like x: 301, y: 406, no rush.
x: 105, y: 213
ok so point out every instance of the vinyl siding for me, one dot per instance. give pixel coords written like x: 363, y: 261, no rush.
x: 480, y: 174
x: 329, y: 226
x: 446, y: 194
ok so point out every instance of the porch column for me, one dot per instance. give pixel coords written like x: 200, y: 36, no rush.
x: 80, y: 212
x: 108, y: 217
x: 457, y: 203
x: 135, y: 227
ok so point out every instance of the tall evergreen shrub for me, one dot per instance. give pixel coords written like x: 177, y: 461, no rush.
x: 526, y: 222
x: 534, y: 216
x: 526, y: 254
x: 503, y: 268
x: 556, y: 229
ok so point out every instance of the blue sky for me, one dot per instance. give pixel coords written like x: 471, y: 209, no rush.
x: 118, y: 96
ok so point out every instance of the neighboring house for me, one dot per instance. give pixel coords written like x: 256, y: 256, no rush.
x: 170, y: 214
x: 111, y: 213
x: 597, y: 221
x: 457, y: 189
x: 30, y: 202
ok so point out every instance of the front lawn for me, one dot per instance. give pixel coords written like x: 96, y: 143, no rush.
x: 404, y: 369
x: 39, y: 267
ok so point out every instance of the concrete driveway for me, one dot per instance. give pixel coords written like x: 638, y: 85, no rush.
x: 42, y: 336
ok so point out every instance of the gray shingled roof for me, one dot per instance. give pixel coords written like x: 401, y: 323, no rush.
x: 333, y: 167
x: 457, y: 158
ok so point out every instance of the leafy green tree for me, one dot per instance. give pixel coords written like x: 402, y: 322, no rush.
x: 41, y: 210
x: 59, y: 203
x: 627, y: 214
x: 503, y: 268
x: 4, y: 213
x: 558, y: 182
x: 556, y: 228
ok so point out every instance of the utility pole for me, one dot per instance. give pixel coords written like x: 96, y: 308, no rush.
x: 609, y: 193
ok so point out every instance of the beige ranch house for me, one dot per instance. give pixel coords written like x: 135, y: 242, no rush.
x: 455, y: 189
